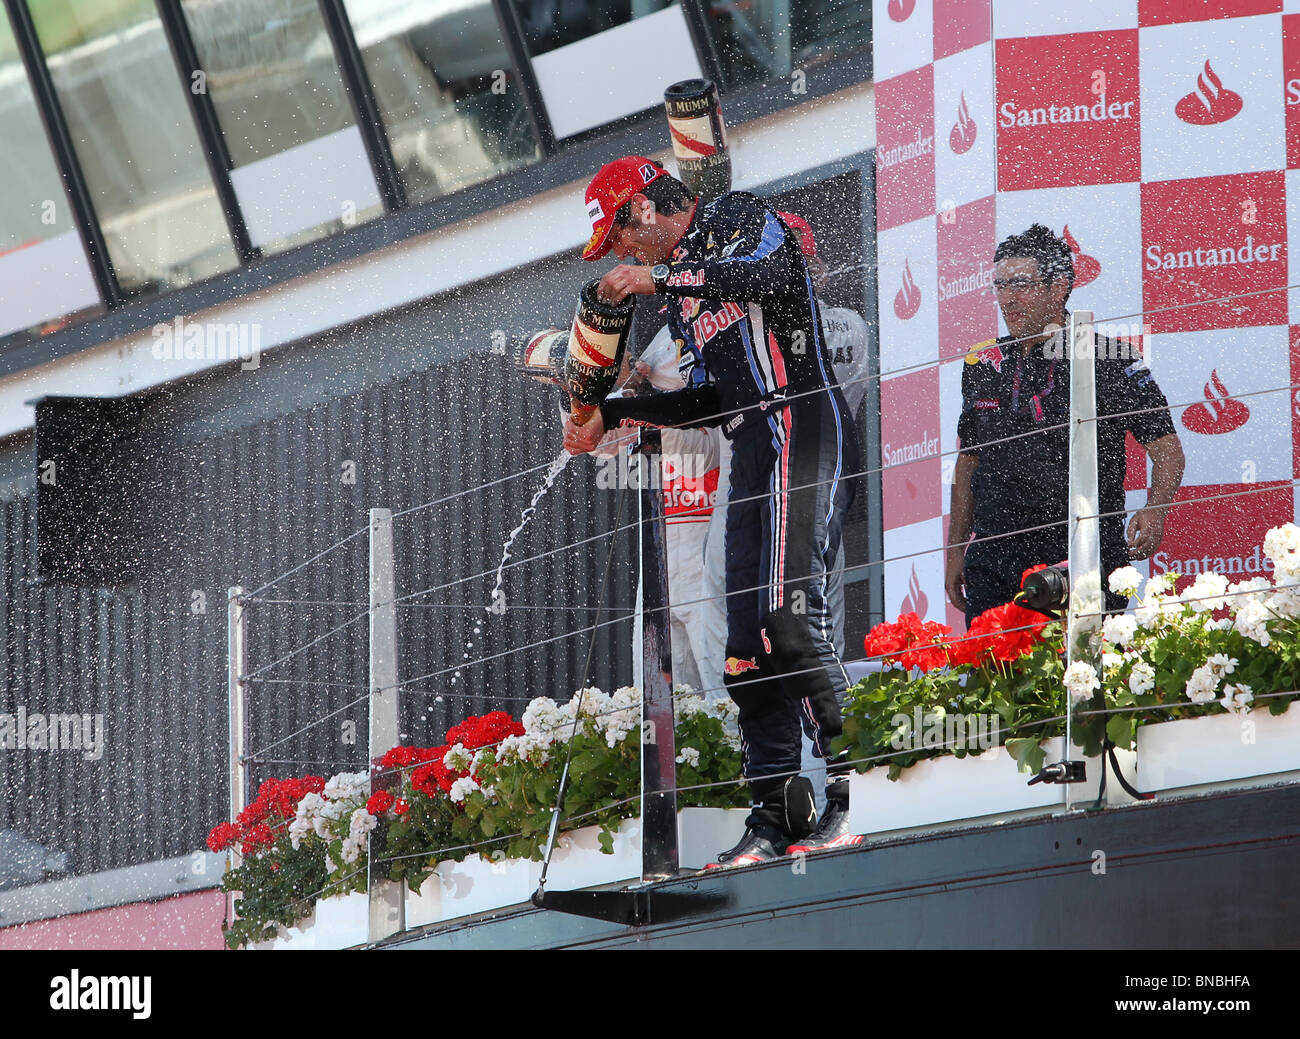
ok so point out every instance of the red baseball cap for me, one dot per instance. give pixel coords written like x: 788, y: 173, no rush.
x: 807, y: 243
x: 610, y: 188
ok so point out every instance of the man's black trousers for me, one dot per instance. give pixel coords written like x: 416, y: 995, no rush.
x: 788, y: 497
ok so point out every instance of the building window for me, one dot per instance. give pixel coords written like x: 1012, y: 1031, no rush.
x: 450, y: 99
x: 43, y: 264
x: 118, y: 87
x: 300, y: 169
x: 761, y: 39
x: 549, y: 24
x: 596, y: 63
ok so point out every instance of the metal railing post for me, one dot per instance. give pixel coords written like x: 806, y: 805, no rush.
x: 1086, y: 594
x: 237, y: 690
x: 658, y: 737
x: 387, y: 900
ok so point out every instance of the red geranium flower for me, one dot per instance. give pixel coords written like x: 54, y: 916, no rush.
x: 222, y: 836
x: 883, y: 641
x: 379, y: 802
x: 259, y: 836
x: 1005, y: 633
x: 916, y: 644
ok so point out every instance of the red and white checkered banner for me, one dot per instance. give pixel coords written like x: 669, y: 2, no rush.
x: 1161, y: 138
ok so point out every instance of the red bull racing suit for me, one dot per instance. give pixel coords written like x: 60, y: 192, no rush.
x: 747, y: 310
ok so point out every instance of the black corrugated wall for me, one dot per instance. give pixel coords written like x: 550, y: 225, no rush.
x: 150, y: 655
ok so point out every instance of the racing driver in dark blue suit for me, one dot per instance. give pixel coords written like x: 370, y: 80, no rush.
x: 743, y: 305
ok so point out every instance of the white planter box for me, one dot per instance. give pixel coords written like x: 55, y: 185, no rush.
x: 983, y: 788
x: 703, y: 832
x: 337, y: 923
x: 578, y: 861
x: 459, y: 889
x: 1220, y: 749
x: 476, y: 885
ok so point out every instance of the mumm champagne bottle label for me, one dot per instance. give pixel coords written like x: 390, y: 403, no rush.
x: 699, y: 137
x: 596, y: 344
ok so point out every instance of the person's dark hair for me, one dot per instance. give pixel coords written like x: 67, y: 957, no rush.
x: 1051, y: 253
x: 668, y: 194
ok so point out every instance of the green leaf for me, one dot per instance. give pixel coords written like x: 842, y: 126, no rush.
x: 1027, y: 752
x: 584, y: 763
x: 1120, y: 731
x: 606, y: 840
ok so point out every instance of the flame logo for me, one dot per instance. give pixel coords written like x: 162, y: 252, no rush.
x: 908, y: 300
x: 1211, y: 102
x: 1219, y: 414
x: 962, y: 136
x: 1086, y: 269
x: 915, y: 601
x: 901, y: 10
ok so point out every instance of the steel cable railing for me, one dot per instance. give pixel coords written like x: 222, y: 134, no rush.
x: 590, y: 628
x: 851, y: 476
x: 255, y: 676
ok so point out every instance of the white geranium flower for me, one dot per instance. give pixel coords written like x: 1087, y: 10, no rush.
x: 1251, y: 621
x: 541, y: 715
x: 1158, y: 608
x: 616, y: 732
x: 1286, y: 600
x: 1201, y: 686
x: 1119, y: 630
x: 347, y: 786
x: 1237, y: 698
x: 1142, y: 678
x: 1126, y: 581
x: 1162, y: 583
x: 1110, y: 660
x: 361, y: 823
x: 458, y: 759
x: 1282, y: 542
x: 1243, y: 593
x: 1221, y: 664
x: 689, y: 706
x: 535, y: 748
x: 307, y: 818
x: 590, y: 701
x: 508, y: 751
x: 298, y: 829
x: 351, y: 850
x: 1205, y: 594
x: 1287, y: 573
x: 1081, y: 679
x: 725, y: 708
x: 689, y: 756
x: 462, y: 788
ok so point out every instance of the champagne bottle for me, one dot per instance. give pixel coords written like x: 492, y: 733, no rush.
x: 699, y: 137
x: 597, y: 342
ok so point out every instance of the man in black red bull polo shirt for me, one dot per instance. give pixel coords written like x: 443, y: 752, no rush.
x: 1012, y: 477
x: 743, y: 302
